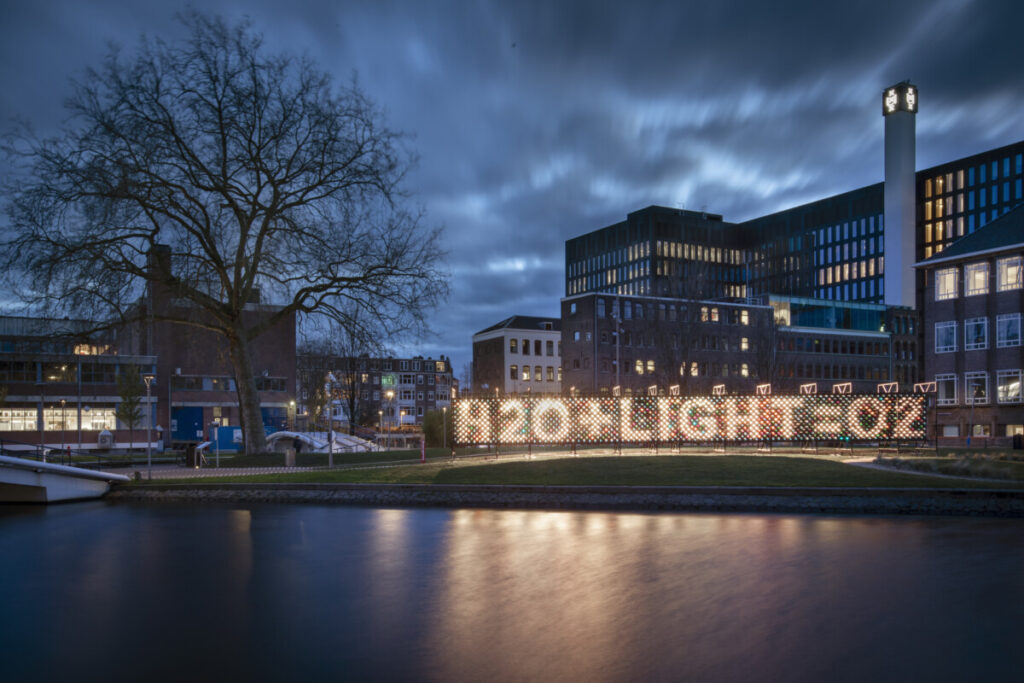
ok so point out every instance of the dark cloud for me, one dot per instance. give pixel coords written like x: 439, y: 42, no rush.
x: 537, y: 121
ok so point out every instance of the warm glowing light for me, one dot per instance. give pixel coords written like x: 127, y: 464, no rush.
x: 889, y: 388
x: 673, y: 419
x: 842, y: 388
x: 809, y: 389
x: 718, y: 390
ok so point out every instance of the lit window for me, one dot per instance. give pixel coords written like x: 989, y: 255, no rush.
x: 639, y: 367
x: 945, y: 386
x: 1008, y: 386
x: 513, y: 346
x: 513, y: 371
x: 976, y: 387
x: 538, y: 373
x: 975, y: 279
x: 945, y: 284
x: 975, y: 334
x: 526, y: 373
x: 744, y: 317
x: 744, y: 344
x: 945, y: 337
x: 1008, y: 273
x: 1008, y: 330
x: 650, y: 367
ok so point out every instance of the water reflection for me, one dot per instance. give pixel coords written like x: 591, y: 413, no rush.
x: 291, y: 592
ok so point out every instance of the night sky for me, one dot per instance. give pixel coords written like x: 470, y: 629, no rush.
x: 538, y: 121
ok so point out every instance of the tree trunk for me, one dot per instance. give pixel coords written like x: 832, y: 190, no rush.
x: 254, y: 438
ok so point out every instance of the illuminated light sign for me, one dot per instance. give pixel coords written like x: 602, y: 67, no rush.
x: 763, y: 389
x: 889, y: 388
x: 900, y: 97
x: 925, y: 387
x: 674, y: 419
x: 891, y: 100
x: 842, y: 388
x: 809, y: 388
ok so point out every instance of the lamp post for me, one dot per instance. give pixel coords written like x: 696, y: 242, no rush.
x: 62, y: 425
x: 380, y: 424
x: 973, y: 390
x: 391, y: 414
x: 291, y: 415
x: 42, y: 420
x: 444, y: 427
x: 148, y: 379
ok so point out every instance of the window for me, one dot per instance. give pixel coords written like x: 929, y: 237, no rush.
x: 1008, y: 330
x: 526, y: 347
x: 945, y: 284
x: 1008, y: 274
x: 975, y: 334
x: 976, y: 384
x: 1008, y: 386
x: 419, y: 395
x: 419, y: 379
x: 639, y: 367
x: 744, y: 317
x: 576, y: 335
x: 549, y: 347
x: 650, y: 367
x: 572, y: 308
x: 538, y: 375
x: 945, y: 337
x: 403, y: 365
x: 513, y: 346
x: 744, y: 344
x: 975, y: 279
x: 536, y: 347
x: 551, y: 374
x: 415, y: 365
x: 513, y: 371
x: 526, y: 373
x: 600, y: 308
x: 945, y: 386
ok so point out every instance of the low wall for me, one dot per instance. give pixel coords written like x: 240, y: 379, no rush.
x: 989, y: 503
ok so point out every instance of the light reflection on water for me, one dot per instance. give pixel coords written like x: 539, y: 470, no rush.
x: 279, y: 592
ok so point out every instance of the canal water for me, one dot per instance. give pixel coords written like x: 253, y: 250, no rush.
x: 99, y: 591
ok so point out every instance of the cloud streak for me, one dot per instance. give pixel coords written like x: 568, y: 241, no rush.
x: 537, y: 121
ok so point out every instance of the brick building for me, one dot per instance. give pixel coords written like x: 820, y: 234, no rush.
x: 519, y: 354
x: 972, y: 302
x: 60, y: 385
x: 380, y: 392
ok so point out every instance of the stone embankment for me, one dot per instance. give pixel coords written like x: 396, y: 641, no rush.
x: 988, y: 503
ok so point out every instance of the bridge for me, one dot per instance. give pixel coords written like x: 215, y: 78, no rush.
x: 31, y: 481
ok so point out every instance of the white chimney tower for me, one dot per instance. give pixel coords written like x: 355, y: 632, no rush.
x: 899, y: 107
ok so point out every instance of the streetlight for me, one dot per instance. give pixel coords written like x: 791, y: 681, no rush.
x: 63, y: 426
x: 291, y: 414
x: 391, y: 414
x: 974, y: 389
x: 444, y: 427
x: 148, y: 379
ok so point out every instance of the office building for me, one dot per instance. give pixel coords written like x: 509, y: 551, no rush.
x: 822, y: 254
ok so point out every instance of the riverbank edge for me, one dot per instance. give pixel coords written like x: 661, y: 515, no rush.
x: 859, y: 501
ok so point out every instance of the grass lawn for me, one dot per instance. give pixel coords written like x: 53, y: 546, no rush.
x: 671, y: 470
x: 975, y: 466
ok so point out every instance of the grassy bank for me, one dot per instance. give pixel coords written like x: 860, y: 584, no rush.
x: 672, y: 470
x: 965, y: 466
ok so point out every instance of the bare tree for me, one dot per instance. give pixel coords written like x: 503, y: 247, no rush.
x: 260, y: 176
